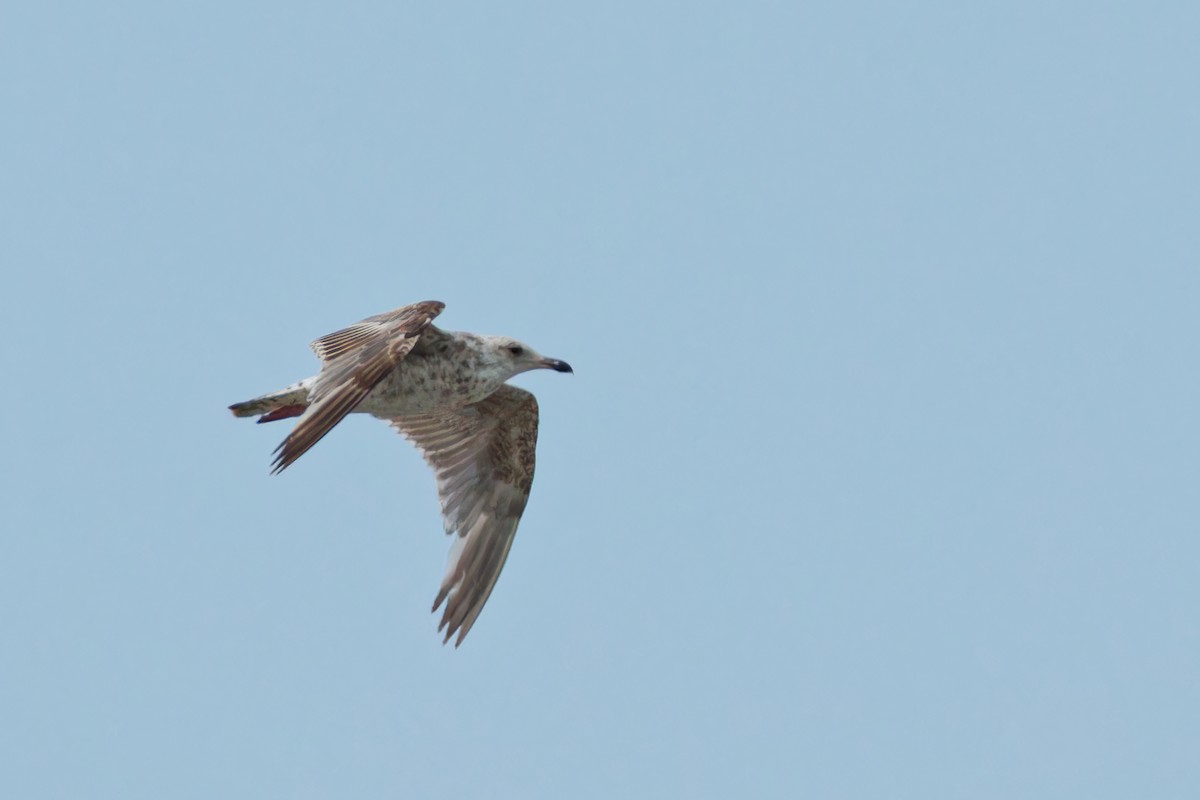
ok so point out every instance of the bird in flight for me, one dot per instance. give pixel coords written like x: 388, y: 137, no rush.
x: 447, y: 392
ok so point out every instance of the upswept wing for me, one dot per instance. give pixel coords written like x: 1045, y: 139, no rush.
x: 355, y: 360
x: 483, y: 458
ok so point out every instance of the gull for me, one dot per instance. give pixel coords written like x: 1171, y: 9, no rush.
x: 447, y: 393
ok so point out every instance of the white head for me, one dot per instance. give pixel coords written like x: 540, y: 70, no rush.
x: 516, y: 357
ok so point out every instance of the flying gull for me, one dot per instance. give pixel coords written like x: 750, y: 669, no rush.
x: 446, y: 392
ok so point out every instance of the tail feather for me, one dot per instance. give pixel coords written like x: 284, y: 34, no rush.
x: 283, y: 413
x: 289, y: 402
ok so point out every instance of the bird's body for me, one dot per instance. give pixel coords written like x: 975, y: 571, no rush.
x: 448, y: 369
x: 447, y: 393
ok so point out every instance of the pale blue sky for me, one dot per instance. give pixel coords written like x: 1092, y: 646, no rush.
x: 877, y: 477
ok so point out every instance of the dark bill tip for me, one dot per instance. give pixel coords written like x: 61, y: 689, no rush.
x: 559, y: 366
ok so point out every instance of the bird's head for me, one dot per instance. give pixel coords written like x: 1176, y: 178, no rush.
x: 519, y: 357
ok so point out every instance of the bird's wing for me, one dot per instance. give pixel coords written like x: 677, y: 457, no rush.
x: 483, y: 457
x: 355, y: 360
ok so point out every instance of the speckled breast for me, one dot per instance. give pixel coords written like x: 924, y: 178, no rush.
x: 425, y: 382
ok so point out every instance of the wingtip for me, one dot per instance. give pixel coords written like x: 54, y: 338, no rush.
x: 444, y: 623
x: 437, y: 602
x: 281, y: 461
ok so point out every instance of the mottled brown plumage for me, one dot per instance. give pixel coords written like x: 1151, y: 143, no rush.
x: 446, y: 392
x: 356, y: 359
x: 483, y: 457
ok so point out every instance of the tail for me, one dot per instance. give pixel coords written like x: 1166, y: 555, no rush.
x: 289, y: 402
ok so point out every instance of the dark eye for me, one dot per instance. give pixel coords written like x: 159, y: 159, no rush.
x: 516, y: 350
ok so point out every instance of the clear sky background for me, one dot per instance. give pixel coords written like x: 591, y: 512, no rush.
x: 877, y: 477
